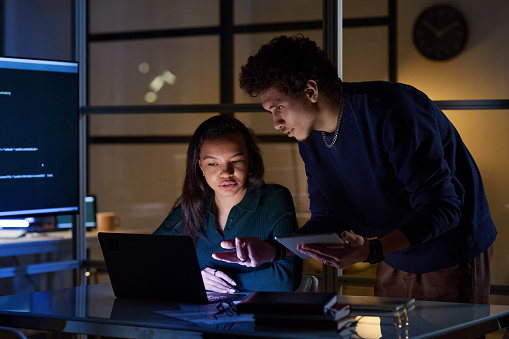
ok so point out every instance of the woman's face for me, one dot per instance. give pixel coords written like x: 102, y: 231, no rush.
x: 224, y: 162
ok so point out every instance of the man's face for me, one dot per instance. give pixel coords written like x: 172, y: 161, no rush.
x: 294, y: 115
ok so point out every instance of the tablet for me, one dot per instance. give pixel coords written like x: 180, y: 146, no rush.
x: 291, y: 242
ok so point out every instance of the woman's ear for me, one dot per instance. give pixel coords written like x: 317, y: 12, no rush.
x: 311, y: 91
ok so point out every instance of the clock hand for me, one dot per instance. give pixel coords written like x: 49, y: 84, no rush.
x: 448, y: 28
x: 432, y: 28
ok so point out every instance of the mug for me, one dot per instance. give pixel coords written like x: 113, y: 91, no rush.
x: 106, y: 221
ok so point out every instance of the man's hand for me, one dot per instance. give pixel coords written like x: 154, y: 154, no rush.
x: 217, y: 281
x: 249, y: 251
x: 355, y: 250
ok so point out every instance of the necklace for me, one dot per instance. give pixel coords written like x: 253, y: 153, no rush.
x: 340, y: 115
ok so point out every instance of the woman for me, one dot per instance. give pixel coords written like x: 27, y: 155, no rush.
x: 224, y: 196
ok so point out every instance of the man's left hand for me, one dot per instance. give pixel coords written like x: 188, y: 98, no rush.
x: 355, y: 250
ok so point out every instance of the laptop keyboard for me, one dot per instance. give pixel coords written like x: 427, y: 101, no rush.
x: 217, y: 297
x: 214, y: 296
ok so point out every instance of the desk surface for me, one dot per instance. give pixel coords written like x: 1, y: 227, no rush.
x: 94, y: 310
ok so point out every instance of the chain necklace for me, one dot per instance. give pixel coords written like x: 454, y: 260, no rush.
x: 340, y: 115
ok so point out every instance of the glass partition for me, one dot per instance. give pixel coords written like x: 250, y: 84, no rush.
x: 146, y: 124
x: 280, y: 11
x: 182, y: 70
x: 128, y: 16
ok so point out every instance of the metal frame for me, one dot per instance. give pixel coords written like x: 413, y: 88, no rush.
x: 79, y: 237
x: 333, y: 42
x: 79, y: 240
x: 2, y: 26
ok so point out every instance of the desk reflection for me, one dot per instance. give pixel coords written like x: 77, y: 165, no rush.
x: 94, y: 310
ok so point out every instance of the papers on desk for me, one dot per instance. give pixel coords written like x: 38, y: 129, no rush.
x: 205, y: 314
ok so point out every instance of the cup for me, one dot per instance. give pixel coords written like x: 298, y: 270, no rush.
x: 106, y: 221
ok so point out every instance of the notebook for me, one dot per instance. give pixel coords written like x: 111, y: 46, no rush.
x: 156, y: 267
x: 377, y: 304
x: 293, y: 303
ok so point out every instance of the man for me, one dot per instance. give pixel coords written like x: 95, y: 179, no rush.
x: 383, y: 162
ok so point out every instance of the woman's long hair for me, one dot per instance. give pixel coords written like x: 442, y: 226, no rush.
x: 195, y: 191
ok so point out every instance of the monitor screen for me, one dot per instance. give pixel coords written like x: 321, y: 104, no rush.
x: 65, y: 221
x: 39, y: 138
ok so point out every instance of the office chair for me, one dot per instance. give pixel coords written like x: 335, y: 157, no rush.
x: 309, y: 283
x: 11, y: 333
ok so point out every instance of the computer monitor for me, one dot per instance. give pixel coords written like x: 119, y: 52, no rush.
x: 39, y: 137
x: 65, y: 221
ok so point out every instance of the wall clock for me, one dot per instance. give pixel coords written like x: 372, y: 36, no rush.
x: 440, y: 32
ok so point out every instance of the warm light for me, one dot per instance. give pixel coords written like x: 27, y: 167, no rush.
x: 157, y: 83
x: 368, y: 327
x: 144, y: 67
x: 169, y: 77
x: 150, y: 97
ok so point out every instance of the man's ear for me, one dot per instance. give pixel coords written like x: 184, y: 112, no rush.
x: 311, y: 91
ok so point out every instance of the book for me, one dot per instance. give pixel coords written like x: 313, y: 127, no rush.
x: 308, y: 303
x: 335, y: 317
x: 336, y: 325
x: 334, y: 313
x: 377, y: 304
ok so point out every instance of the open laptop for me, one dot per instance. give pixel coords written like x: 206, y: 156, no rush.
x: 156, y: 267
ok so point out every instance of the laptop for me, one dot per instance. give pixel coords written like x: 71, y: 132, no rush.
x: 156, y: 267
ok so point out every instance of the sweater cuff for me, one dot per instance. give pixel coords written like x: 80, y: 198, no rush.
x: 280, y: 250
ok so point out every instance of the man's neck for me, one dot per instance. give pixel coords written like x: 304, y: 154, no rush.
x: 328, y: 115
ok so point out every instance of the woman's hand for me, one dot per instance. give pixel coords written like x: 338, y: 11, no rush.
x: 355, y: 250
x: 249, y: 251
x: 217, y: 281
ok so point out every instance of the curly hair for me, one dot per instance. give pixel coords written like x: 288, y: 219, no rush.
x: 287, y: 63
x: 195, y: 190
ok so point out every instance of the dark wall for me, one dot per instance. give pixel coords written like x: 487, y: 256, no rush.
x: 37, y: 29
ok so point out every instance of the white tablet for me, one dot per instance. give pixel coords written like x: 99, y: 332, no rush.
x: 291, y: 242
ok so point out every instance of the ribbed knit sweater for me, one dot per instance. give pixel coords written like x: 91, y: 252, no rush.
x: 264, y: 212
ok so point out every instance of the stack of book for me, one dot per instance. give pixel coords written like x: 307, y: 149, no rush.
x: 310, y: 310
x: 368, y: 305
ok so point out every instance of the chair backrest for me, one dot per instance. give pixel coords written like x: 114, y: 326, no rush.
x: 11, y: 333
x: 309, y: 283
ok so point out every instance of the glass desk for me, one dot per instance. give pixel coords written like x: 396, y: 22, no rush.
x: 94, y: 310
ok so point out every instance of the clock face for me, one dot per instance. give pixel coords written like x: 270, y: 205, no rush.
x: 440, y: 32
